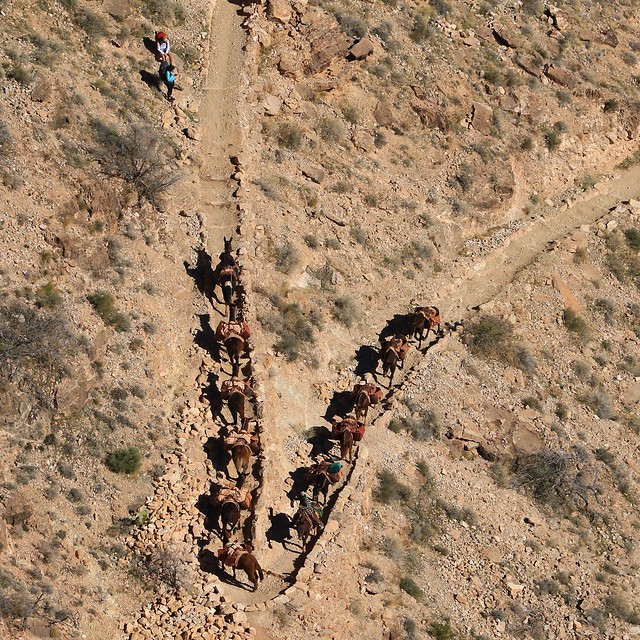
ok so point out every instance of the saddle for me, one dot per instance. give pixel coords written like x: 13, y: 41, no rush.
x: 240, y: 437
x: 232, y: 386
x: 231, y: 554
x: 225, y: 330
x: 374, y: 392
x: 229, y: 494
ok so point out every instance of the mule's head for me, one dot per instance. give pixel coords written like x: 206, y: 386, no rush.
x: 227, y: 245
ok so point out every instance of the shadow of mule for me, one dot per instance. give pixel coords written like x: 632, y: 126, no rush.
x: 340, y: 403
x: 366, y: 360
x: 279, y: 530
x: 320, y: 439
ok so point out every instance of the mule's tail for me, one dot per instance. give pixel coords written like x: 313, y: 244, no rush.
x: 259, y: 570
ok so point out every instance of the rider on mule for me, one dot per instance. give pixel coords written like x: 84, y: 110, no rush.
x: 313, y: 510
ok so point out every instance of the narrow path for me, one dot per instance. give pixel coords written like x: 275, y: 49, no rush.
x: 500, y: 267
x: 218, y: 115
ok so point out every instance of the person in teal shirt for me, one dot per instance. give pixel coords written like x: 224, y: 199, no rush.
x: 169, y: 78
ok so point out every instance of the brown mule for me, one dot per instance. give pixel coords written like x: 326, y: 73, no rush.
x: 422, y: 321
x: 241, y: 559
x: 234, y: 335
x: 241, y: 454
x: 305, y: 527
x: 393, y: 354
x: 236, y: 392
x: 365, y: 395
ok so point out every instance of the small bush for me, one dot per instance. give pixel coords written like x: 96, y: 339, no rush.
x: 527, y: 144
x: 359, y: 235
x: 104, y: 304
x: 287, y: 258
x: 632, y: 236
x: 94, y: 25
x: 47, y: 296
x: 618, y: 605
x: 20, y: 73
x: 311, y: 241
x: 331, y: 129
x: 408, y: 585
x: 552, y: 139
x: 562, y: 411
x: 374, y: 575
x: 351, y: 113
x: 421, y: 31
x: 126, y: 460
x: 390, y: 489
x: 442, y: 630
x: 611, y: 105
x: 140, y: 157
x: 599, y: 401
x: 351, y: 23
x: 574, y: 322
x: 290, y: 136
x: 345, y: 311
x: 489, y: 336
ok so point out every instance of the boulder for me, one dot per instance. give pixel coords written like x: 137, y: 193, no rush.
x: 314, y: 172
x: 41, y: 89
x: 362, y: 140
x: 118, y: 9
x: 560, y: 76
x: 586, y: 35
x: 609, y: 38
x: 505, y: 37
x: 17, y: 509
x: 361, y: 49
x: 327, y: 42
x: 482, y: 117
x: 383, y: 114
x: 531, y: 63
x: 484, y: 33
x: 431, y: 115
x: 192, y: 134
x: 288, y: 68
x: 272, y: 105
x: 279, y: 11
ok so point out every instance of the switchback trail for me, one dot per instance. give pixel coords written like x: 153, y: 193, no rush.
x: 497, y: 269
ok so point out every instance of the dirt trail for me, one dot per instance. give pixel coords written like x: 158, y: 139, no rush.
x: 221, y: 134
x: 497, y: 269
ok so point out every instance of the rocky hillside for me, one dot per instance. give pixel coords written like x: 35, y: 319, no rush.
x: 480, y: 156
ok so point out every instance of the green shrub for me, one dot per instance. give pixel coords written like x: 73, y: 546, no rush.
x: 552, y: 139
x: 359, y: 235
x: 287, y: 258
x: 632, y: 237
x: 331, y: 129
x: 294, y: 330
x: 489, y: 336
x: 19, y: 72
x: 104, y: 304
x: 421, y: 31
x: 126, y: 460
x: 94, y: 25
x: 442, y: 630
x: 47, y: 296
x: 290, y: 136
x: 345, y: 311
x: 408, y: 585
x: 574, y: 322
x: 390, y: 489
x: 351, y: 23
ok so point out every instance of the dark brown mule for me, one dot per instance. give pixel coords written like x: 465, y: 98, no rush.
x: 320, y: 479
x: 241, y: 454
x: 393, y: 354
x: 305, y: 527
x: 244, y: 560
x: 229, y: 518
x: 422, y: 321
x: 233, y: 335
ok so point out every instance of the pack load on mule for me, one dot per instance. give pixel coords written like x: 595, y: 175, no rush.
x: 365, y: 394
x: 240, y: 438
x: 231, y: 494
x: 235, y: 385
x: 333, y: 471
x: 233, y: 327
x: 423, y: 320
x: 231, y: 553
x: 348, y: 423
x: 393, y: 351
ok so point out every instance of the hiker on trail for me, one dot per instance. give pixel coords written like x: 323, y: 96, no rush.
x: 163, y: 48
x: 313, y: 509
x: 168, y: 75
